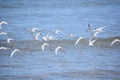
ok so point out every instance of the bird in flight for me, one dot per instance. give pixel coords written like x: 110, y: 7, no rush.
x: 9, y: 40
x: 2, y: 22
x: 3, y: 33
x: 77, y: 41
x: 3, y: 48
x: 91, y: 42
x: 59, y: 48
x: 114, y: 41
x: 43, y: 46
x: 13, y: 52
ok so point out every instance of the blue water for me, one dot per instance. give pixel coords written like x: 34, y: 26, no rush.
x: 100, y: 62
x: 69, y: 16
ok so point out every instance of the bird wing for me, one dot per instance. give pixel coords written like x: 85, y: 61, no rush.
x: 114, y: 41
x: 9, y: 39
x: 93, y: 41
x: 56, y: 50
x: 3, y: 48
x: 37, y: 35
x: 95, y: 34
x: 77, y: 41
x: 11, y: 55
x: 101, y: 28
x: 43, y: 46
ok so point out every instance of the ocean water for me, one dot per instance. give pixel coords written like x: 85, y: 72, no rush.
x: 81, y: 62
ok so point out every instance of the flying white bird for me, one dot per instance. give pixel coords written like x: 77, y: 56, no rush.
x: 70, y: 35
x: 89, y: 28
x: 58, y: 48
x: 3, y: 48
x: 99, y: 29
x: 56, y: 31
x: 51, y: 37
x: 37, y: 35
x: 32, y: 30
x: 2, y: 22
x: 95, y: 34
x: 91, y: 42
x: 3, y: 33
x: 9, y: 40
x: 15, y: 50
x: 43, y: 46
x: 47, y: 38
x: 114, y: 41
x: 77, y: 41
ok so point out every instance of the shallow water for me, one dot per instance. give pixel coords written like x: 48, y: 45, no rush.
x: 83, y: 62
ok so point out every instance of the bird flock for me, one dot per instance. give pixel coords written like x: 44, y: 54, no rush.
x: 36, y: 33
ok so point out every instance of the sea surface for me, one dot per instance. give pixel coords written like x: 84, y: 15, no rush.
x: 81, y: 62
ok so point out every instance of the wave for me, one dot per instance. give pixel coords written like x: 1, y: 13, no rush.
x: 36, y: 44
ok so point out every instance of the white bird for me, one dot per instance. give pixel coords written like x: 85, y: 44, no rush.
x: 43, y: 46
x: 51, y: 37
x: 3, y: 48
x: 9, y: 40
x: 95, y: 34
x: 91, y: 42
x: 77, y: 41
x: 15, y: 50
x: 114, y: 41
x: 70, y: 35
x: 32, y: 30
x: 58, y: 48
x: 2, y: 22
x: 56, y: 31
x: 37, y: 35
x: 89, y: 28
x: 3, y: 33
x: 47, y: 38
x: 99, y: 29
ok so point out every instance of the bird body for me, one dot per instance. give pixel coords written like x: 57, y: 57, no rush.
x: 56, y: 31
x: 47, y: 38
x: 114, y: 41
x: 89, y: 28
x: 70, y: 35
x: 32, y: 30
x: 9, y: 40
x: 91, y: 42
